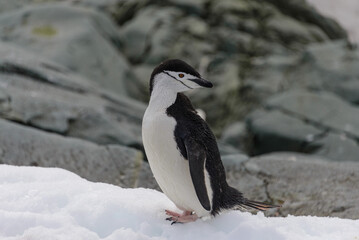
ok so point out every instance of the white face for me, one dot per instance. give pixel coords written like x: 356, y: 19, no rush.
x: 178, y: 81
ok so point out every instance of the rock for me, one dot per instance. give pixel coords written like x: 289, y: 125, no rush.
x: 79, y: 38
x: 111, y: 164
x: 233, y: 162
x: 234, y: 134
x: 275, y: 131
x: 319, y: 123
x: 194, y: 26
x: 336, y: 147
x: 78, y: 115
x: 226, y: 149
x: 304, y: 12
x: 146, y: 38
x: 321, y: 108
x: 230, y: 6
x: 140, y: 89
x: 220, y: 103
x: 308, y: 185
x: 17, y: 60
x: 41, y: 94
x: 333, y: 67
x: 191, y: 7
x: 348, y: 90
x: 290, y: 30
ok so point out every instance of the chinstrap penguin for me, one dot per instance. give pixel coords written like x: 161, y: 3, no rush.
x: 182, y: 150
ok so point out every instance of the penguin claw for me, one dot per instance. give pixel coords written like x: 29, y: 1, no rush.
x: 174, y: 220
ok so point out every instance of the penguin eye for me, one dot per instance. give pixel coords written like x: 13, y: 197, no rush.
x: 181, y: 75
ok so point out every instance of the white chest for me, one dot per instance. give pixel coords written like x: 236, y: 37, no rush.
x: 169, y: 167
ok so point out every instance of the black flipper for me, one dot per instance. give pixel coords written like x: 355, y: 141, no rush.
x: 197, y: 159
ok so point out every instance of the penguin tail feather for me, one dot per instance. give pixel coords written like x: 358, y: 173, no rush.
x: 261, y: 206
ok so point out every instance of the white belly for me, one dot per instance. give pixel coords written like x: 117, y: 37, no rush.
x: 169, y: 168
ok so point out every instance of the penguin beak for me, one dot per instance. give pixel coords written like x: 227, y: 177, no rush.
x: 202, y: 82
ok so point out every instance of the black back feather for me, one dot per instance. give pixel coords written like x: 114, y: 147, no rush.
x: 191, y: 125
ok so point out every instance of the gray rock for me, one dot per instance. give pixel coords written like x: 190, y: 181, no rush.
x: 45, y: 95
x: 332, y: 67
x: 141, y: 88
x: 289, y: 30
x: 195, y: 26
x: 336, y: 147
x: 322, y: 108
x: 9, y: 5
x: 348, y: 90
x: 19, y: 61
x: 307, y: 185
x: 220, y: 103
x: 191, y: 7
x: 276, y: 131
x: 226, y: 149
x: 234, y: 134
x: 304, y: 12
x: 144, y: 36
x: 79, y: 38
x: 310, y: 122
x: 230, y: 6
x: 85, y: 116
x: 233, y: 162
x: 114, y: 164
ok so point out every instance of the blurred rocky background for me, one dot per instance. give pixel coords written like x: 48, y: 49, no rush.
x: 74, y: 86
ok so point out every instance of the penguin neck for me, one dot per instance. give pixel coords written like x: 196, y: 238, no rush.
x: 161, y: 99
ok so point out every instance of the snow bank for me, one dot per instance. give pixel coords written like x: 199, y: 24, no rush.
x: 49, y: 203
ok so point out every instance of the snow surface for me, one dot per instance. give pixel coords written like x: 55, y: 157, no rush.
x: 346, y: 12
x: 50, y: 203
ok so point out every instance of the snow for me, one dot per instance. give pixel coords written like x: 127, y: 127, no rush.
x: 346, y: 12
x: 50, y: 203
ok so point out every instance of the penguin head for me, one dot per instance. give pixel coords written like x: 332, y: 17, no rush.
x: 176, y: 75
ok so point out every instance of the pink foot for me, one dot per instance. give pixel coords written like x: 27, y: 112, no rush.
x: 173, y: 214
x: 185, y: 217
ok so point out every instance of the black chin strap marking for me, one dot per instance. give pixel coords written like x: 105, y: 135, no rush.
x: 177, y: 80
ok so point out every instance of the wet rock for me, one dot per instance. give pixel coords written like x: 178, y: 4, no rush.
x: 111, y: 164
